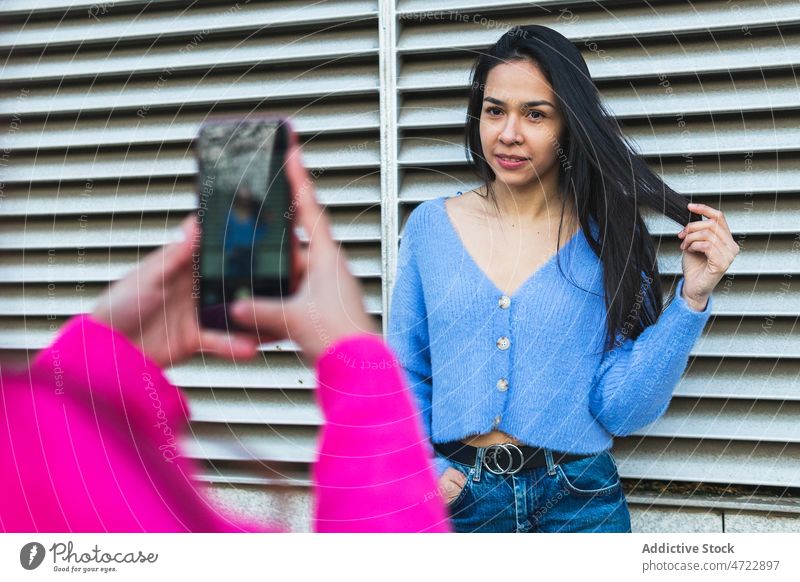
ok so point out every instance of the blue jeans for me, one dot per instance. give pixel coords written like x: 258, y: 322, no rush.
x: 577, y: 496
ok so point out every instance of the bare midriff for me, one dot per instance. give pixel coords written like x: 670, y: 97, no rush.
x: 490, y: 438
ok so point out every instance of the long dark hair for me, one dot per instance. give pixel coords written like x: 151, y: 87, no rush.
x: 605, y: 178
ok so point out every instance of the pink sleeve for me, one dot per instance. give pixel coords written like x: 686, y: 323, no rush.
x: 373, y: 473
x: 93, y: 443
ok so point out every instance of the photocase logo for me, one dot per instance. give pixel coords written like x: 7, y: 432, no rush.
x: 31, y: 555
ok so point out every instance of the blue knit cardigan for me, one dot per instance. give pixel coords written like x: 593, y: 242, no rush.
x: 532, y: 365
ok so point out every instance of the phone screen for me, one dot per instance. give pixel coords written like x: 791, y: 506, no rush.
x: 245, y: 221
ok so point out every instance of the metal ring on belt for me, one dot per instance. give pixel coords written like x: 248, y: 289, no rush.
x: 490, y: 455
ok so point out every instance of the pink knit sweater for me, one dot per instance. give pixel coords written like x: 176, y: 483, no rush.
x: 92, y: 431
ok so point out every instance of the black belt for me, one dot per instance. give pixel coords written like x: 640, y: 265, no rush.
x: 502, y: 459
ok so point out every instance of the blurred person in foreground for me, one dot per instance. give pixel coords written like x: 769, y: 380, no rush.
x: 92, y: 428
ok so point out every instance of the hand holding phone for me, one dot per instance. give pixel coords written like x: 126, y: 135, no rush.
x: 329, y: 302
x: 153, y: 307
x: 248, y: 245
x: 155, y: 304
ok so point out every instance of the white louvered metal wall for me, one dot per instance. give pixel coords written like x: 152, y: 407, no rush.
x: 99, y: 103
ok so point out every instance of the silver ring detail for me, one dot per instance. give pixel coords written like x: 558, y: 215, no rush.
x: 521, y: 456
x: 507, y: 447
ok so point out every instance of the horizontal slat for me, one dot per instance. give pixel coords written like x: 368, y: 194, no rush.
x: 336, y: 190
x: 160, y: 129
x: 769, y: 464
x: 431, y: 64
x: 734, y: 420
x: 760, y: 296
x: 750, y: 338
x: 169, y: 59
x: 99, y: 197
x: 779, y: 256
x: 347, y: 225
x: 98, y: 232
x: 65, y: 300
x: 744, y: 296
x: 255, y: 473
x: 66, y: 266
x: 768, y: 91
x: 741, y: 378
x: 38, y: 7
x: 708, y: 137
x: 248, y: 442
x: 143, y: 97
x: 326, y: 154
x: 270, y: 371
x: 598, y: 22
x: 254, y: 407
x: 96, y: 265
x: 81, y: 29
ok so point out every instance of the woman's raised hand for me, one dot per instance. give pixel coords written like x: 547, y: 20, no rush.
x: 708, y: 251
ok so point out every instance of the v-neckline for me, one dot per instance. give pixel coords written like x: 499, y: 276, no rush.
x: 454, y: 231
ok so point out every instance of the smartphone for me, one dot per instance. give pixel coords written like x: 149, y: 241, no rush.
x: 245, y: 213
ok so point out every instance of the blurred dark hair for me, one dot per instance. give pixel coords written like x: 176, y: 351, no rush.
x: 603, y: 175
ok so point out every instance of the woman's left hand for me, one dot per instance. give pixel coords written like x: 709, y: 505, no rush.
x: 708, y: 251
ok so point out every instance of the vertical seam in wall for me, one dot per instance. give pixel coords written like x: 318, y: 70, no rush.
x: 387, y: 30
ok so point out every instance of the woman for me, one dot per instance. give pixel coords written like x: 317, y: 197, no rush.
x: 92, y: 429
x: 528, y: 313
